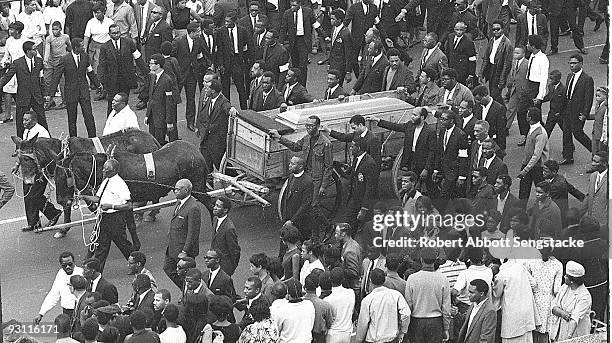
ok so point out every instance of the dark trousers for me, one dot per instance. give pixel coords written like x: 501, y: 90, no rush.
x: 36, y: 201
x: 552, y: 120
x: 318, y: 337
x: 88, y: 118
x: 170, y: 270
x: 606, y: 49
x: 586, y: 12
x: 534, y: 176
x: 574, y: 127
x: 159, y: 133
x: 110, y: 94
x: 494, y: 90
x: 569, y: 15
x: 190, y: 107
x: 236, y: 74
x: 68, y: 312
x: 112, y: 229
x: 426, y: 330
x: 299, y: 57
x: 601, y: 305
x: 37, y: 107
x: 524, y: 103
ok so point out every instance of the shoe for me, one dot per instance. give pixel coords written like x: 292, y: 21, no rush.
x: 598, y: 24
x: 141, y: 105
x: 320, y: 63
x: 583, y: 51
x: 522, y: 142
x: 603, y: 61
x: 54, y: 220
x: 565, y: 33
x: 566, y: 161
x: 190, y: 127
x: 30, y: 228
x: 59, y: 235
x: 61, y: 106
x: 552, y: 52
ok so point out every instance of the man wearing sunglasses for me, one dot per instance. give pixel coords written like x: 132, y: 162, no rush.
x: 60, y: 291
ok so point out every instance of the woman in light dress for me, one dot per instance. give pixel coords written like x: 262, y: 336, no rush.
x: 13, y: 51
x: 572, y: 306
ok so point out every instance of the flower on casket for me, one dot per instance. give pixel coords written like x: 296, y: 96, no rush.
x: 339, y: 40
x: 360, y: 177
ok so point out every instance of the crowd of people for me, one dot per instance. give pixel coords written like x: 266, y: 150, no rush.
x: 339, y: 281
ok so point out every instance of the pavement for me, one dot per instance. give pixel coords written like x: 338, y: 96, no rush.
x: 28, y: 261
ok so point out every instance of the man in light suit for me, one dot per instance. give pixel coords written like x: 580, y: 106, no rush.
x: 596, y: 202
x: 397, y: 74
x: 224, y: 238
x: 341, y: 54
x: 184, y: 232
x: 496, y: 62
x: 517, y: 83
x: 371, y: 76
x: 432, y: 56
x: 481, y: 318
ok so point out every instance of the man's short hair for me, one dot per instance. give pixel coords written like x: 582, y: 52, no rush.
x: 412, y: 176
x: 99, y: 6
x: 227, y: 203
x: 556, y: 73
x: 215, y: 85
x: 255, y: 281
x: 311, y: 282
x: 142, y: 281
x: 90, y: 328
x: 377, y: 276
x: 158, y: 59
x: 92, y: 263
x: 268, y: 74
x: 480, y: 90
x: 27, y: 46
x: 337, y: 276
x: 139, y: 257
x: 393, y: 52
x: 536, y: 41
x: 485, y: 124
x: 171, y: 313
x: 66, y: 254
x: 76, y: 41
x: 316, y: 119
x: 498, y: 22
x: 339, y: 14
x: 190, y: 261
x: 357, y: 120
x: 166, y: 295
x: 62, y: 323
x: 535, y: 114
x: 544, y: 186
x: 336, y: 73
x: 430, y: 72
x: 194, y: 273
x: 552, y: 165
x: 166, y: 48
x: 481, y: 285
x: 260, y: 260
x: 450, y: 72
x: 578, y: 57
x: 112, y: 26
x: 482, y: 171
x: 506, y: 179
x: 138, y: 320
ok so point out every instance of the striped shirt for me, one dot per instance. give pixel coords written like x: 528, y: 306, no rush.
x: 452, y: 270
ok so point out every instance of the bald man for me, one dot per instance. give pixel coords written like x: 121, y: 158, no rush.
x: 184, y: 233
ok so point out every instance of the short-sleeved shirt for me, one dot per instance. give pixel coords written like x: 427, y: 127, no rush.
x: 98, y: 30
x: 113, y: 191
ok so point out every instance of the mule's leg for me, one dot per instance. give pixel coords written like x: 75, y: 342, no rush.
x: 151, y: 216
x: 138, y: 216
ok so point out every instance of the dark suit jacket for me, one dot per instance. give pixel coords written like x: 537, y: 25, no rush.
x: 483, y: 326
x: 108, y: 291
x: 449, y: 162
x: 226, y: 241
x: 210, y: 55
x: 462, y: 58
x: 517, y: 79
x: 424, y: 154
x: 496, y: 168
x: 276, y: 60
x: 341, y: 54
x: 30, y: 84
x: 298, y: 95
x: 246, y: 23
x: 371, y: 77
x: 403, y: 78
x: 273, y: 101
x: 184, y: 233
x: 212, y: 125
x: 336, y: 93
x: 361, y: 22
x: 77, y: 85
x: 146, y: 303
x: 363, y: 184
x: 437, y: 61
x: 297, y: 199
x: 288, y: 26
x: 468, y: 128
x: 225, y: 49
x: 496, y: 117
x: 75, y: 328
x: 581, y: 100
x: 522, y: 30
x: 503, y: 62
x: 557, y: 98
x: 190, y: 62
x: 255, y: 47
x: 371, y: 139
x: 511, y: 202
x: 154, y: 39
x: 118, y: 69
x: 221, y: 285
x: 560, y: 189
x: 163, y: 97
x: 469, y: 19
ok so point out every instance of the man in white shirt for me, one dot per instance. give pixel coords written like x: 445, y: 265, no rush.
x: 295, y: 318
x: 342, y: 301
x: 121, y: 117
x: 34, y: 24
x: 174, y: 333
x: 60, y: 292
x: 113, y: 199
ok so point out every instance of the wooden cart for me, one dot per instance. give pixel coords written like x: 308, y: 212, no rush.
x: 264, y: 163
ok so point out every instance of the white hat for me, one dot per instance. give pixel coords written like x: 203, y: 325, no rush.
x: 574, y: 269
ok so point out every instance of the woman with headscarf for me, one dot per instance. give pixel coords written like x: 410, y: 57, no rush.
x: 572, y: 306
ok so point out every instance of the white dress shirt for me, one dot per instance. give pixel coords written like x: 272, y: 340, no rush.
x: 213, y: 273
x: 496, y: 42
x: 532, y: 19
x: 448, y: 94
x: 376, y: 58
x: 94, y: 283
x: 331, y: 91
x: 234, y: 32
x: 143, y: 19
x: 415, y: 137
x: 220, y: 221
x: 36, y: 130
x: 538, y: 72
x: 475, y: 310
x: 572, y: 87
x: 467, y: 119
x: 117, y: 121
x: 299, y: 30
x: 359, y: 158
x: 600, y: 177
x: 485, y: 110
x: 189, y: 43
x: 113, y: 191
x: 60, y: 292
x: 502, y: 202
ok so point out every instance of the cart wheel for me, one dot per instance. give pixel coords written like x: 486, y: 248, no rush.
x: 280, y: 200
x: 331, y: 202
x: 395, y: 172
x: 223, y: 164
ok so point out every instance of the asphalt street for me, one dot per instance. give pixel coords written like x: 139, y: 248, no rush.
x: 28, y: 261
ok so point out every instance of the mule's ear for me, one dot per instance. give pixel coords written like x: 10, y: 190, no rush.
x: 33, y: 139
x: 17, y: 141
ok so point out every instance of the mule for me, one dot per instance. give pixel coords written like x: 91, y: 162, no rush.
x: 174, y: 161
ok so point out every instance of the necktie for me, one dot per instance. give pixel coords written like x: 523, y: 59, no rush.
x: 597, y: 181
x: 367, y: 278
x: 27, y: 132
x: 534, y: 29
x: 116, y: 45
x: 424, y: 58
x: 152, y: 27
x: 90, y: 287
x: 481, y: 161
x: 265, y: 97
x: 570, y: 88
x: 210, y: 276
x: 529, y: 66
x: 287, y: 91
x: 446, y: 135
x: 78, y: 61
x: 516, y: 66
x: 456, y: 42
x: 420, y: 101
x: 231, y: 34
x: 334, y: 35
x: 29, y: 64
x: 328, y: 94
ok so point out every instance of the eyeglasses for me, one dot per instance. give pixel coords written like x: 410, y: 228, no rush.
x: 210, y: 257
x: 69, y: 264
x: 497, y: 29
x: 156, y: 12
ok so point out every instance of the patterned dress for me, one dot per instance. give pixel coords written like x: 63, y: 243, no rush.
x: 548, y: 276
x: 264, y: 331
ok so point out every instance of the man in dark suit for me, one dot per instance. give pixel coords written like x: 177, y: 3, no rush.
x: 560, y: 188
x: 294, y: 92
x: 438, y: 13
x: 184, y: 232
x: 505, y: 200
x: 75, y: 68
x: 254, y: 38
x: 556, y: 94
x: 257, y: 41
x: 496, y: 63
x: 163, y: 98
x: 211, y: 124
x: 29, y: 71
x: 517, y: 85
x: 249, y: 21
x: 467, y: 119
x: 358, y: 125
x: 265, y: 96
x: 232, y: 58
x: 493, y: 112
x: 371, y: 76
x: 297, y: 193
x: 296, y: 28
x: 215, y: 278
x: 558, y: 13
x: 451, y: 162
x: 362, y: 16
x: 397, y: 75
x: 143, y: 296
x: 362, y: 186
x: 78, y: 286
x: 156, y: 32
x: 334, y: 90
x: 91, y: 271
x: 479, y: 327
x: 142, y: 14
x: 525, y: 24
x: 209, y: 36
x: 276, y: 58
x: 496, y: 10
x: 419, y: 139
x: 341, y: 52
x: 189, y: 50
x: 461, y: 53
x: 465, y: 15
x: 255, y: 76
x: 580, y: 89
x: 481, y: 192
x: 432, y: 56
x: 484, y: 152
x: 116, y: 69
x: 224, y: 238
